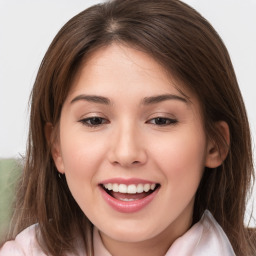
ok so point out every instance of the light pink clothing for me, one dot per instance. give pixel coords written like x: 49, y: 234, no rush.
x: 205, y: 238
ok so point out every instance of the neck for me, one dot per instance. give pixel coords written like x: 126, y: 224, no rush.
x: 152, y: 247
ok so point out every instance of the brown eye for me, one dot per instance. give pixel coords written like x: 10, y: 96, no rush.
x: 93, y: 121
x: 162, y: 121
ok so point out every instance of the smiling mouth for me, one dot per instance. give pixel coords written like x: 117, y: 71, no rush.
x: 128, y: 193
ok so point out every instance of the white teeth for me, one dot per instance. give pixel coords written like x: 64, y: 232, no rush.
x: 109, y: 186
x: 122, y: 188
x: 152, y: 187
x: 115, y: 187
x: 127, y: 200
x: 130, y: 189
x: 146, y: 187
x: 140, y: 188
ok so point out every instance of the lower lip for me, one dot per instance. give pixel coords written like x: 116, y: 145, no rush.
x: 130, y: 206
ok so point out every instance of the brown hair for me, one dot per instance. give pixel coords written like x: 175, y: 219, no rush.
x: 183, y: 42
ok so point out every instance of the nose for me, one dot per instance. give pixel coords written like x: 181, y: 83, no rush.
x: 127, y: 148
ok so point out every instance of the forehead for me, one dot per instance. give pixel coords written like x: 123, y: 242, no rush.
x: 120, y: 67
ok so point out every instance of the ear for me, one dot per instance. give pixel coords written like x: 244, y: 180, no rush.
x: 217, y: 152
x: 53, y: 142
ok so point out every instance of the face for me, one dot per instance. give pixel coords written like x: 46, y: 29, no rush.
x: 132, y: 147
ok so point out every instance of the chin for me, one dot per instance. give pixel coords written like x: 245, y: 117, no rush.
x: 131, y: 233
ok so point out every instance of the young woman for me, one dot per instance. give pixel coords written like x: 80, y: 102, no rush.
x: 139, y: 142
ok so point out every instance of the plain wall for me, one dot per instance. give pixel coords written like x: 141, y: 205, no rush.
x: 27, y: 27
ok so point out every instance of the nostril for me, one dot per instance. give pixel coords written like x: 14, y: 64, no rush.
x: 126, y: 164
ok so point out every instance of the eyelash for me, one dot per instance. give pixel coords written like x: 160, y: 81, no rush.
x: 167, y: 121
x: 93, y: 118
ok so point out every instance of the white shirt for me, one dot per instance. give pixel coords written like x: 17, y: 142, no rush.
x: 205, y: 238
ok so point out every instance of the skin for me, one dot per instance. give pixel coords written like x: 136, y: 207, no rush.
x: 129, y: 142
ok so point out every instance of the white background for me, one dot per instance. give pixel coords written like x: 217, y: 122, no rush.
x: 27, y: 27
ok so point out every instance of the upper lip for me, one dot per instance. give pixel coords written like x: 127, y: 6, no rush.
x: 127, y: 181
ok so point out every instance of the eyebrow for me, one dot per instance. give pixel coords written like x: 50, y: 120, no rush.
x: 145, y: 101
x: 163, y: 97
x: 92, y: 98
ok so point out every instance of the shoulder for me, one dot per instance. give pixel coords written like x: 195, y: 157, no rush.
x: 24, y: 244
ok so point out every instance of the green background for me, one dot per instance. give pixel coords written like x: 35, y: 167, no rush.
x: 10, y: 170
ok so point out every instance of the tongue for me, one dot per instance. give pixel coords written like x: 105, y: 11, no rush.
x: 122, y: 196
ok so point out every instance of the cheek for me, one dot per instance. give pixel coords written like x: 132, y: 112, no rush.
x: 81, y: 159
x: 181, y: 163
x: 182, y: 159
